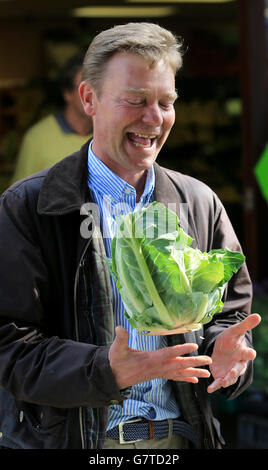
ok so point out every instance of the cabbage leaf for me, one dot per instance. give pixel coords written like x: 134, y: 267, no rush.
x: 164, y: 283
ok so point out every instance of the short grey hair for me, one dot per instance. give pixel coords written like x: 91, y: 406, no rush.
x: 150, y: 40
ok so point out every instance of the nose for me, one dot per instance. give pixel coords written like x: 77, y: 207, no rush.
x: 153, y: 115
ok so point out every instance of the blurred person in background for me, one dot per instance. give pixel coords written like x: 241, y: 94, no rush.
x: 58, y: 134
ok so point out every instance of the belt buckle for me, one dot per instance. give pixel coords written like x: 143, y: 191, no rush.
x: 121, y: 431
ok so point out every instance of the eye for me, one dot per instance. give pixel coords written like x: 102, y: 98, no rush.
x: 137, y: 102
x: 168, y: 105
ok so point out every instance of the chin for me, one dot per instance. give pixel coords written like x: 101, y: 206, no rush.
x: 143, y: 165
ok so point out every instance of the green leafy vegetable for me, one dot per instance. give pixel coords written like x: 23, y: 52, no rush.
x: 165, y: 284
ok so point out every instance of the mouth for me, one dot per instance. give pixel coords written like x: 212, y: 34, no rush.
x: 142, y: 140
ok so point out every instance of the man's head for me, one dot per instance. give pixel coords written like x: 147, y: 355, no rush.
x: 149, y: 40
x: 128, y: 88
x: 69, y: 80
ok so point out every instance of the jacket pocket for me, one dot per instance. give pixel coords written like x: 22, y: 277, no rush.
x: 43, y: 427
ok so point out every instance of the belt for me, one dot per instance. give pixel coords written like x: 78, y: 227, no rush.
x: 141, y: 428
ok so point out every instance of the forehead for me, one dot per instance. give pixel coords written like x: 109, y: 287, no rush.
x: 132, y: 71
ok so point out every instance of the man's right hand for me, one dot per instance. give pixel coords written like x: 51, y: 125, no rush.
x: 132, y: 366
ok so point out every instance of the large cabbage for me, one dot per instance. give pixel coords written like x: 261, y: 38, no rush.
x: 165, y: 284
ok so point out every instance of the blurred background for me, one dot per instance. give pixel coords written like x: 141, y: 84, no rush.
x: 220, y: 134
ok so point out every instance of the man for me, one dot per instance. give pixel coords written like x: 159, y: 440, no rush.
x: 73, y: 374
x: 58, y: 134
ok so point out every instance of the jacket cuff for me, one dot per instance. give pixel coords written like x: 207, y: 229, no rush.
x: 106, y: 389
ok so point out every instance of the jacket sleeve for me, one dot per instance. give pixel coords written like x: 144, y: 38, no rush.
x: 35, y: 367
x: 237, y: 297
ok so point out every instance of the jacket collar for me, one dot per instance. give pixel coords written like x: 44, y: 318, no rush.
x: 65, y: 187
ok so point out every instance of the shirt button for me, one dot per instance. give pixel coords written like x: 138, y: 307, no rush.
x: 127, y: 190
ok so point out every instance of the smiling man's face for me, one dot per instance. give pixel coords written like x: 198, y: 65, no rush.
x: 133, y: 114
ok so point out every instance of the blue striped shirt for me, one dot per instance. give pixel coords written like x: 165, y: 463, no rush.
x: 153, y: 399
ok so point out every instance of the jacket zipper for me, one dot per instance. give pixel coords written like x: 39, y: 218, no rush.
x: 81, y: 424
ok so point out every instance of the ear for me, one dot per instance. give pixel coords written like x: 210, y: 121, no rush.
x: 88, y: 98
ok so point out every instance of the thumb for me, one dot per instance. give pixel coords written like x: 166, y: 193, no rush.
x: 248, y: 323
x: 121, y: 338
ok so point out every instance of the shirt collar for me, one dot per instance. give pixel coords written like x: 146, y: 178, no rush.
x: 63, y: 123
x: 105, y: 181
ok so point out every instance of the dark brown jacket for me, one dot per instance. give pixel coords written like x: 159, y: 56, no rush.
x: 56, y: 383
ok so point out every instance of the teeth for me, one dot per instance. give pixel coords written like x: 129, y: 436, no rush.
x: 145, y: 136
x: 141, y: 145
x: 148, y: 140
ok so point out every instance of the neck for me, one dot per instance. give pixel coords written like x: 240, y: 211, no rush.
x: 79, y: 122
x: 136, y: 178
x: 138, y: 181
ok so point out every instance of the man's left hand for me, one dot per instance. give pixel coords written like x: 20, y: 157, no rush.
x: 231, y: 354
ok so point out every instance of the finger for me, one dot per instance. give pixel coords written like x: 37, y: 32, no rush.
x: 237, y: 370
x: 230, y: 378
x: 231, y: 381
x: 175, y: 352
x: 216, y: 385
x: 248, y: 323
x: 178, y: 350
x: 192, y: 361
x: 172, y: 352
x: 193, y: 380
x: 192, y: 372
x: 248, y: 354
